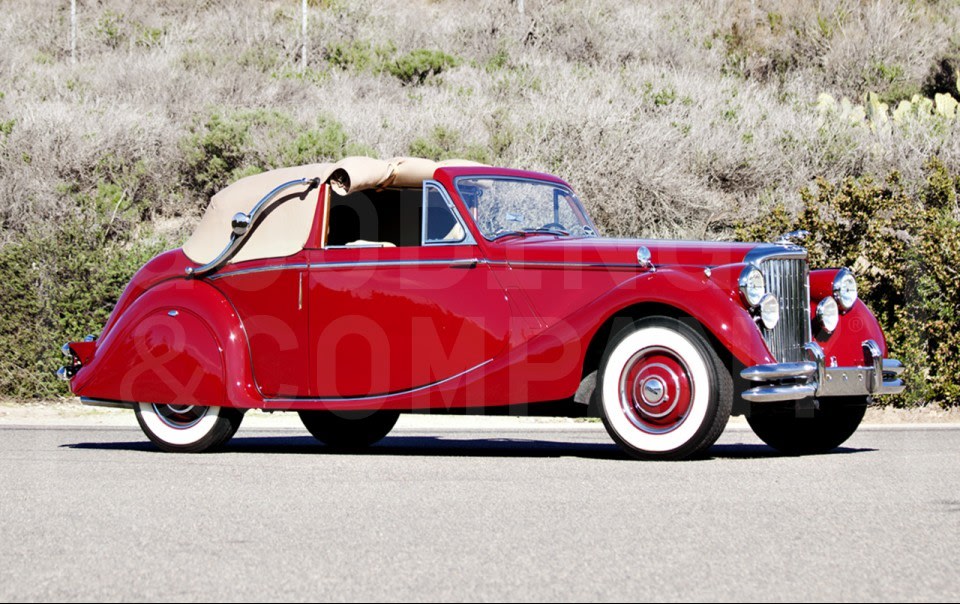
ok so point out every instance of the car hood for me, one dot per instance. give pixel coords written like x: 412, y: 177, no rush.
x: 549, y: 249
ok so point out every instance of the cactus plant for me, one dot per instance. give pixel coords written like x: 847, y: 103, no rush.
x: 876, y: 114
x: 946, y: 105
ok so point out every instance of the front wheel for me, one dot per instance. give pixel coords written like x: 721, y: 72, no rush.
x: 663, y: 392
x: 826, y: 429
x: 188, y: 428
x: 349, y: 429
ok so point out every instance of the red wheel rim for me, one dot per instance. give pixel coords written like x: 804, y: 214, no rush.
x: 655, y: 390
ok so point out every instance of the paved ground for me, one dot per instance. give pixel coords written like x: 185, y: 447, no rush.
x: 514, y: 511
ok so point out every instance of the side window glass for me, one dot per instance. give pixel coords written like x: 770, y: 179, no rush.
x: 440, y: 224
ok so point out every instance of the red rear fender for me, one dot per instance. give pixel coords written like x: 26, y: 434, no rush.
x: 181, y: 342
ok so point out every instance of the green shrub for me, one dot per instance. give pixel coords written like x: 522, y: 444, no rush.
x: 6, y: 128
x: 215, y: 152
x: 904, y: 249
x: 444, y: 143
x: 56, y: 287
x: 325, y: 142
x: 416, y: 66
x: 112, y: 29
x: 357, y: 55
x: 228, y: 146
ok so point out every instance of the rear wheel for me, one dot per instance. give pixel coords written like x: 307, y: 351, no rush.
x: 826, y: 429
x: 662, y: 391
x: 187, y: 428
x: 349, y: 429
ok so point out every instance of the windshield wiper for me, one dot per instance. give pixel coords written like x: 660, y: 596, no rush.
x: 507, y: 233
x: 551, y: 230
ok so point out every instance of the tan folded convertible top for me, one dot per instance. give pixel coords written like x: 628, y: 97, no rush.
x: 284, y: 230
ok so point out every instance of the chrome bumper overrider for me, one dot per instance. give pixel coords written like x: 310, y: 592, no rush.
x: 809, y: 379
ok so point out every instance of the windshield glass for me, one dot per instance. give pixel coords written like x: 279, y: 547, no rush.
x: 509, y: 206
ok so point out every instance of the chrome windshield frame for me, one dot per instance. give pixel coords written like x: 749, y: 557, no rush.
x: 589, y: 229
x: 468, y: 236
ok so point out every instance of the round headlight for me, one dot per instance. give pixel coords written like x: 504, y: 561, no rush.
x: 828, y: 314
x: 845, y: 289
x: 769, y: 311
x: 751, y: 285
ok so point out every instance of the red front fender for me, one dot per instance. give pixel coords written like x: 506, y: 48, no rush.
x: 695, y: 294
x: 182, y: 343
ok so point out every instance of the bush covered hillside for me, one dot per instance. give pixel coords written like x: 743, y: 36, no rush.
x: 672, y: 119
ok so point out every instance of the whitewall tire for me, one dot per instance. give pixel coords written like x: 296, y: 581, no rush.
x: 663, y: 392
x: 187, y: 428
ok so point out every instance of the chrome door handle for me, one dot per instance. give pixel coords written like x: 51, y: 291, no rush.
x: 466, y: 263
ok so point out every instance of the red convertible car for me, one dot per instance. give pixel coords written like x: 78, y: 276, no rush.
x: 357, y: 291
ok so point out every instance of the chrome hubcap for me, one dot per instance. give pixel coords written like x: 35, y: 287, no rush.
x: 180, y: 417
x: 653, y: 390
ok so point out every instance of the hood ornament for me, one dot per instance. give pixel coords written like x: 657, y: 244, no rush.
x: 793, y: 237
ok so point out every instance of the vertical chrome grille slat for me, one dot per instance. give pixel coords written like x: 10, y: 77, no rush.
x: 789, y: 280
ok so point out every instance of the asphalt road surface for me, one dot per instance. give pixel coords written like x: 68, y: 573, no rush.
x: 535, y: 513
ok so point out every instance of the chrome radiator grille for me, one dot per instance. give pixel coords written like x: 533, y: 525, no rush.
x: 789, y: 280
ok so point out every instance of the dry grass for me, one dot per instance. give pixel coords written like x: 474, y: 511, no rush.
x: 671, y: 119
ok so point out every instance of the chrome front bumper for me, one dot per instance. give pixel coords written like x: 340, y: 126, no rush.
x: 813, y: 379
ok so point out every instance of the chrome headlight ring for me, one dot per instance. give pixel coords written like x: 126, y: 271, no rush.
x: 828, y: 313
x: 845, y: 289
x: 752, y: 287
x: 769, y: 311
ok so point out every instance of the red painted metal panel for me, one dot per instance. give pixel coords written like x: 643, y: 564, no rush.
x: 180, y: 341
x: 390, y: 319
x: 271, y: 298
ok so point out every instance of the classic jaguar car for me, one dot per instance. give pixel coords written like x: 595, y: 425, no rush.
x: 357, y: 291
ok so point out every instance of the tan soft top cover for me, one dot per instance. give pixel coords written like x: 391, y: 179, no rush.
x: 285, y: 229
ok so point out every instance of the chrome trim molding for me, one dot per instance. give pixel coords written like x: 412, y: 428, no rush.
x: 585, y: 265
x: 244, y: 224
x: 468, y: 236
x: 261, y: 269
x: 394, y: 263
x: 388, y: 395
x: 452, y: 262
x: 769, y: 251
x: 796, y: 381
x: 96, y: 402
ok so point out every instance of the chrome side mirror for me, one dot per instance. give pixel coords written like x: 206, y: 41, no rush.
x: 240, y: 224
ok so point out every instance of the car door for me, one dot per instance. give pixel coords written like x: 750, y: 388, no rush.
x: 392, y: 317
x: 269, y: 295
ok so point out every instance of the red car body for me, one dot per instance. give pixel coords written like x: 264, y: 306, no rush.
x: 518, y: 324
